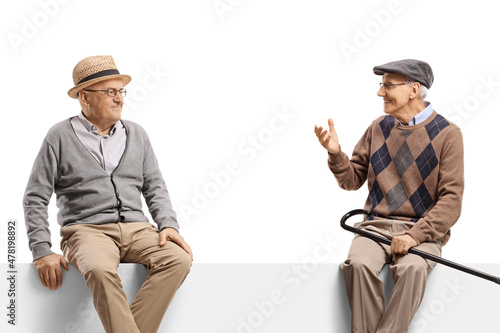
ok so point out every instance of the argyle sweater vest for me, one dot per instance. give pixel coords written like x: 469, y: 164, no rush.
x: 414, y: 173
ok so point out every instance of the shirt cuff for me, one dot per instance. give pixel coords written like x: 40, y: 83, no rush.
x: 168, y: 224
x: 417, y: 235
x: 41, y: 250
x: 337, y: 160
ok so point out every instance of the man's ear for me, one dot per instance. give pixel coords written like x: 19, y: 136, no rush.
x: 84, y: 97
x: 415, y: 90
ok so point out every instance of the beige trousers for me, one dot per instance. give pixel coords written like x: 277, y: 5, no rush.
x: 365, y: 291
x: 97, y: 250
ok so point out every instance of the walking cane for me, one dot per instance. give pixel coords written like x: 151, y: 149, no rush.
x: 422, y: 254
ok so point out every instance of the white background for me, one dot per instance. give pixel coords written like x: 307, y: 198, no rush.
x: 207, y: 79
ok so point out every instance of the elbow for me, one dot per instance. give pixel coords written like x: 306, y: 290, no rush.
x: 349, y: 186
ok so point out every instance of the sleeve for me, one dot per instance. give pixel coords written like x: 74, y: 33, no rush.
x: 351, y: 174
x: 36, y: 200
x: 155, y: 191
x: 443, y: 215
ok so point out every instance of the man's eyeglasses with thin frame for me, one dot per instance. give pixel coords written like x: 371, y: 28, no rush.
x: 389, y: 86
x: 111, y: 92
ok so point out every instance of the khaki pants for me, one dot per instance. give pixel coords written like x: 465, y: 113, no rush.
x: 365, y: 291
x: 96, y: 251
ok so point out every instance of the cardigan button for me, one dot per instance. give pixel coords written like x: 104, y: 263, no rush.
x: 122, y: 218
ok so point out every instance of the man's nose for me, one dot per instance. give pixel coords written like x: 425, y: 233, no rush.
x: 381, y: 91
x: 118, y: 98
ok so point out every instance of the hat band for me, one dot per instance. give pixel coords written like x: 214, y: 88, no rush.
x: 106, y: 72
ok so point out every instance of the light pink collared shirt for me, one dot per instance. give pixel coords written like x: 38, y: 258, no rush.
x: 107, y: 150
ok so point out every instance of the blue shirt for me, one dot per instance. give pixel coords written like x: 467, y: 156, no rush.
x: 421, y: 116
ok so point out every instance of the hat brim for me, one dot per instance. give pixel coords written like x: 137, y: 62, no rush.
x: 378, y: 71
x: 381, y: 71
x: 73, y: 92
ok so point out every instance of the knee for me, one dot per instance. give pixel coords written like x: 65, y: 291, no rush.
x: 100, y: 273
x: 183, y: 262
x: 177, y: 260
x: 358, y: 266
x: 417, y: 269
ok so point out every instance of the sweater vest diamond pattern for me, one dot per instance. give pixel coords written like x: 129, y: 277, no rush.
x: 395, y: 157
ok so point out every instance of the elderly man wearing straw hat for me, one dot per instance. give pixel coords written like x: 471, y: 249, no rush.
x: 98, y: 166
x: 413, y: 161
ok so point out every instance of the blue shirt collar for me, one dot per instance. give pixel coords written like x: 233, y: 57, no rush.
x: 421, y: 116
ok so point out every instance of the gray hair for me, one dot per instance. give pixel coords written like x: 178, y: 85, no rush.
x: 423, y: 90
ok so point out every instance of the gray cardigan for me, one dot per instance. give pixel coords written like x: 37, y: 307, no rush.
x: 86, y: 193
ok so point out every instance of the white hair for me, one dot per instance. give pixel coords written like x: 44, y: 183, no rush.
x: 423, y: 90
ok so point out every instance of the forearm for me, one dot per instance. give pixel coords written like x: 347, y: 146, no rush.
x: 349, y: 175
x: 37, y: 227
x: 36, y: 200
x: 156, y: 194
x: 436, y: 224
x: 159, y: 204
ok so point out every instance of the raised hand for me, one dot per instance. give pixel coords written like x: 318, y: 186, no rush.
x: 328, y: 139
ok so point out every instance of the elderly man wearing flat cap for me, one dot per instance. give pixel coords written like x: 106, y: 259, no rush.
x: 413, y: 160
x: 98, y: 166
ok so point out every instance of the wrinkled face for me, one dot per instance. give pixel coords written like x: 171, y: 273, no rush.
x: 101, y: 107
x: 397, y: 97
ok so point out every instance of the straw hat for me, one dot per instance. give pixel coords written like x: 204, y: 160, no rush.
x: 95, y: 69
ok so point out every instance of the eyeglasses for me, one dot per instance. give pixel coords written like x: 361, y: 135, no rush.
x: 111, y: 92
x: 389, y: 86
